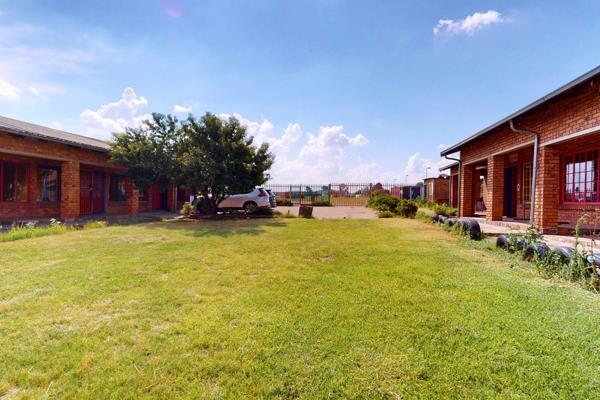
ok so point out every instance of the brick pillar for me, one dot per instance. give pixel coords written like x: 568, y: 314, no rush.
x: 69, y: 190
x: 132, y: 197
x: 495, y: 188
x: 547, y: 191
x: 467, y: 208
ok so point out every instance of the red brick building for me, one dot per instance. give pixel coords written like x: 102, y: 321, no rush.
x: 48, y: 173
x: 437, y: 189
x: 539, y: 163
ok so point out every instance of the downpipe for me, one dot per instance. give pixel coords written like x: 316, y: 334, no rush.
x: 459, y: 172
x: 536, y: 143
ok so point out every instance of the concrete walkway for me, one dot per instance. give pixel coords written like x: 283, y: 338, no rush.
x: 337, y: 212
x: 497, y: 228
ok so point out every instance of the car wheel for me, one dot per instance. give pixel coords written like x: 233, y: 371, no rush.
x: 250, y: 207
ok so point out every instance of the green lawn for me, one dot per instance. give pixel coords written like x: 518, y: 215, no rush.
x: 287, y: 308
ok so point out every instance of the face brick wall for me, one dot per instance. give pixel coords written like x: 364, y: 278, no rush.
x: 573, y: 111
x: 70, y: 160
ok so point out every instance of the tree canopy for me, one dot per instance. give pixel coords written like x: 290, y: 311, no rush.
x: 214, y: 156
x: 149, y: 152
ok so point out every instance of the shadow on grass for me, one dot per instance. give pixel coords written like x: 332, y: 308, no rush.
x: 222, y: 228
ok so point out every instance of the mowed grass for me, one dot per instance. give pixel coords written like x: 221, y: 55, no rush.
x: 286, y: 309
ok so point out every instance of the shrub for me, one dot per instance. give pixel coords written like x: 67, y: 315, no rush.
x: 95, y: 224
x: 321, y: 203
x: 386, y: 214
x: 424, y: 203
x: 407, y: 209
x: 284, y: 202
x: 445, y: 210
x: 422, y: 215
x: 384, y: 202
x: 31, y: 230
x: 187, y: 209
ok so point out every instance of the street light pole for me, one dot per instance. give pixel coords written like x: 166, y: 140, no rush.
x: 427, y: 169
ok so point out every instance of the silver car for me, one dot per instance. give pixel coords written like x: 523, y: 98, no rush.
x: 249, y: 202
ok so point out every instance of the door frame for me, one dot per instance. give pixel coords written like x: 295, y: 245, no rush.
x: 510, y: 198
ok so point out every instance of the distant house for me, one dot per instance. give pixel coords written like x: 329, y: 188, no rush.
x: 539, y: 163
x: 436, y: 189
x: 48, y: 173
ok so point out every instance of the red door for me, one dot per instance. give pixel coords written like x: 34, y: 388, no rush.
x: 91, y: 192
x: 155, y: 196
x: 98, y: 193
x: 85, y: 193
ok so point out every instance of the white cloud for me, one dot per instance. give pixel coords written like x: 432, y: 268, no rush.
x: 115, y: 116
x: 177, y: 109
x: 41, y: 61
x: 469, y: 25
x: 324, y: 157
x: 9, y: 92
x: 260, y: 130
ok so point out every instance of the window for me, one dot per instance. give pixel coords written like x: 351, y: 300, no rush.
x: 14, y: 180
x: 580, y: 178
x: 47, y: 179
x: 527, y: 178
x: 143, y: 194
x: 117, y: 188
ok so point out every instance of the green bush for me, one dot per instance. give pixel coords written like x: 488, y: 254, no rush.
x: 424, y: 203
x: 187, y: 209
x: 443, y: 209
x: 384, y: 202
x: 386, y: 214
x: 321, y: 203
x: 31, y: 230
x: 95, y: 224
x: 407, y: 209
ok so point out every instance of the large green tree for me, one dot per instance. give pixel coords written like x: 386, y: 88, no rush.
x: 149, y: 152
x: 218, y: 158
x: 215, y: 157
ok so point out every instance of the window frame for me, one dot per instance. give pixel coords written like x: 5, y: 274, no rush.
x: 563, y: 177
x: 118, y: 199
x: 526, y: 189
x: 16, y: 164
x: 58, y: 183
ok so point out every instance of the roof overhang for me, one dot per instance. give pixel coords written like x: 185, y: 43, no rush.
x: 34, y: 135
x: 540, y: 101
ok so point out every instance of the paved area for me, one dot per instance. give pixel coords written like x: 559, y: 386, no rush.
x: 337, y: 212
x: 503, y: 227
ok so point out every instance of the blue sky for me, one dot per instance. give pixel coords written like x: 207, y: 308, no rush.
x: 343, y: 90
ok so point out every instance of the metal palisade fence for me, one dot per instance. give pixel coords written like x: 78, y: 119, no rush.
x: 339, y: 194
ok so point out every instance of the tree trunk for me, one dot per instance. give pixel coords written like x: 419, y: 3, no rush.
x: 210, y: 206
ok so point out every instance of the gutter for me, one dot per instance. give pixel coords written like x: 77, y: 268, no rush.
x: 459, y: 173
x: 536, y: 143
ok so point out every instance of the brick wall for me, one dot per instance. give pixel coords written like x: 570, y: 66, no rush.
x: 574, y: 111
x: 35, y: 153
x: 495, y: 188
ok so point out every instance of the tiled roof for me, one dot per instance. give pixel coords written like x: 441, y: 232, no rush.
x: 17, y: 127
